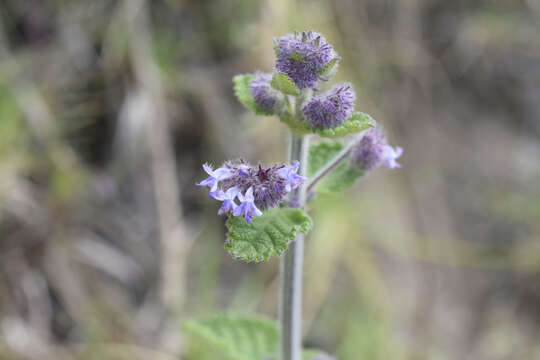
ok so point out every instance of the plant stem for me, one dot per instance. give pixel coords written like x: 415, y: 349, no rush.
x: 291, y: 267
x: 329, y: 166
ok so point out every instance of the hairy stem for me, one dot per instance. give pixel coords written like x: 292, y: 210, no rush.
x: 329, y: 166
x: 291, y: 267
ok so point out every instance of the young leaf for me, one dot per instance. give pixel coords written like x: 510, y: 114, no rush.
x: 244, y: 95
x: 356, y: 122
x: 341, y: 177
x: 329, y: 69
x: 267, y: 235
x: 284, y: 84
x: 236, y: 337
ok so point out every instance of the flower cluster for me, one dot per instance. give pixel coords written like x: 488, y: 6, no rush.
x: 303, y: 57
x: 266, y: 98
x: 255, y: 188
x: 330, y: 109
x: 372, y: 150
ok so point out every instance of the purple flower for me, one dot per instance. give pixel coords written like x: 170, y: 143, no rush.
x: 266, y: 98
x: 269, y: 188
x: 215, y: 177
x: 302, y: 57
x: 228, y: 199
x: 289, y: 174
x: 372, y: 150
x: 330, y: 109
x: 247, y: 206
x: 390, y: 155
x: 269, y: 185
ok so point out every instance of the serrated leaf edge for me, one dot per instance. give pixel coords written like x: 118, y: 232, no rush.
x: 304, y: 228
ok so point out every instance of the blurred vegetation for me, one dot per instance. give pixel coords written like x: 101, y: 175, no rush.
x: 108, y: 108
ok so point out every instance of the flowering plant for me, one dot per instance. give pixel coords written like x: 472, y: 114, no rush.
x: 264, y: 205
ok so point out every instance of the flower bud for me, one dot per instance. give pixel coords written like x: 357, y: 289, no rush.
x: 372, y: 151
x: 330, y: 109
x: 266, y: 98
x: 304, y: 57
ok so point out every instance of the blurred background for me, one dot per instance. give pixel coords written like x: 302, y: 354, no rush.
x: 108, y: 108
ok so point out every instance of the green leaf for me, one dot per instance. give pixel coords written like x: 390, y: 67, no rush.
x: 356, y: 122
x: 267, y: 235
x: 297, y: 56
x: 244, y: 95
x: 341, y: 177
x: 284, y: 84
x: 329, y: 69
x: 236, y: 337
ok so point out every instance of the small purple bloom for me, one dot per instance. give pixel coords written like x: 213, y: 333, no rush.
x: 289, y: 174
x: 247, y: 206
x: 215, y: 177
x: 228, y: 199
x: 330, y: 109
x: 372, y: 150
x: 263, y: 187
x: 269, y: 188
x: 266, y: 98
x: 390, y: 155
x: 302, y: 56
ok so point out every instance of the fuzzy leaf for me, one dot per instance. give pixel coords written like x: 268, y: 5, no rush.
x: 356, y: 122
x: 284, y: 84
x: 236, y: 337
x: 341, y: 177
x: 267, y: 235
x: 329, y: 69
x: 244, y: 95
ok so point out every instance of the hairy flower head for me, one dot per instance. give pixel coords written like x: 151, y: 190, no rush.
x: 256, y: 188
x: 330, y: 109
x: 372, y: 150
x: 303, y: 57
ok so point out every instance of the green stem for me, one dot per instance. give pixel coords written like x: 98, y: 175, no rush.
x: 291, y: 267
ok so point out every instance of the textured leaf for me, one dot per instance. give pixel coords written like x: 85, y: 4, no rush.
x: 341, y: 177
x: 236, y: 337
x: 284, y: 84
x: 356, y: 122
x: 267, y: 235
x: 329, y: 69
x: 244, y: 95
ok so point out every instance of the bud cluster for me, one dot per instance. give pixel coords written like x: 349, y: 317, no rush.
x: 255, y: 188
x: 305, y: 57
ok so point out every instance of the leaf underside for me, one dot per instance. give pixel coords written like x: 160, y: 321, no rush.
x: 283, y: 83
x: 244, y: 95
x: 341, y: 177
x: 236, y: 337
x: 267, y: 235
